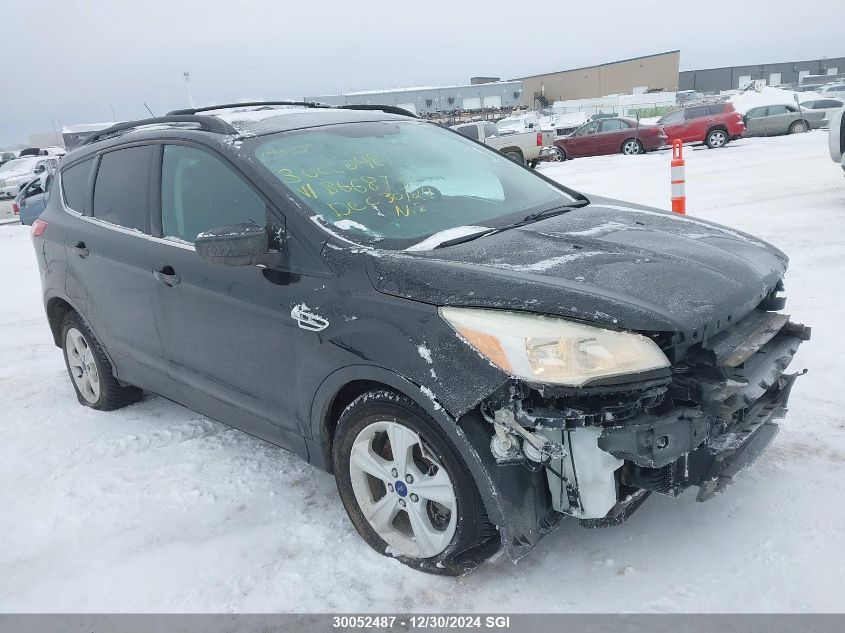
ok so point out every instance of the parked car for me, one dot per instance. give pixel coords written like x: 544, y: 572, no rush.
x: 31, y: 151
x: 525, y: 147
x: 836, y: 137
x: 55, y: 150
x: 773, y: 120
x: 714, y: 124
x: 32, y: 199
x: 474, y: 350
x: 828, y: 106
x: 18, y: 172
x: 833, y: 90
x: 5, y: 157
x: 611, y: 136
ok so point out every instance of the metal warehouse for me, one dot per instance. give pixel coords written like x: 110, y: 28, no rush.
x: 428, y: 100
x: 713, y: 80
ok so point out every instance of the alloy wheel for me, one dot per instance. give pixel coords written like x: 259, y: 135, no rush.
x: 403, y: 490
x: 631, y: 148
x: 83, y: 367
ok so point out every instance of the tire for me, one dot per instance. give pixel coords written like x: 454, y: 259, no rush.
x: 557, y: 156
x: 632, y: 147
x: 516, y: 157
x: 449, y: 536
x: 798, y: 127
x: 716, y: 138
x: 90, y: 371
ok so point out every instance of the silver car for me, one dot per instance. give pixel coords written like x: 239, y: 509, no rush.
x: 781, y: 119
x: 827, y: 105
x: 21, y: 171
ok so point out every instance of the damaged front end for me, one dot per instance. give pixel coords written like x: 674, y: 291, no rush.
x: 605, y: 447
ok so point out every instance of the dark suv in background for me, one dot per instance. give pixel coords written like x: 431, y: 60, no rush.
x: 474, y: 350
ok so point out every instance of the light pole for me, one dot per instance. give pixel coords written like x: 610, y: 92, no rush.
x: 187, y: 76
x: 52, y: 123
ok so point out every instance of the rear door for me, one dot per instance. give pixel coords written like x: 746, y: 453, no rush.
x: 110, y: 262
x: 227, y: 331
x: 755, y: 121
x: 613, y: 132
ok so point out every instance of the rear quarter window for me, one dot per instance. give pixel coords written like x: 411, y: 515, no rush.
x: 75, y: 184
x: 122, y: 190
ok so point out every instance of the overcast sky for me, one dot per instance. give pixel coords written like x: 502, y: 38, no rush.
x: 70, y: 61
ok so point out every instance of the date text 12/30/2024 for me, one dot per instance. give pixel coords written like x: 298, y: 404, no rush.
x: 388, y: 622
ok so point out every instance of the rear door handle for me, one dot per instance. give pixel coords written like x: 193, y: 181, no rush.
x: 80, y: 249
x: 167, y: 276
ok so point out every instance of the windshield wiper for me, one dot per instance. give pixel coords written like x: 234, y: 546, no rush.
x: 528, y: 219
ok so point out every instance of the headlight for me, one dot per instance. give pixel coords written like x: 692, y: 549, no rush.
x: 552, y: 350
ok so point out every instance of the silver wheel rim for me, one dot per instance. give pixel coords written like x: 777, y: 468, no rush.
x: 83, y: 367
x: 798, y: 127
x: 403, y: 491
x: 717, y: 139
x: 630, y: 148
x: 557, y: 156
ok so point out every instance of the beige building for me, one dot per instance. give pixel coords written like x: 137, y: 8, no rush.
x: 650, y: 71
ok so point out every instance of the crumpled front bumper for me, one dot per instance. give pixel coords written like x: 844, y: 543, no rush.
x: 700, y: 427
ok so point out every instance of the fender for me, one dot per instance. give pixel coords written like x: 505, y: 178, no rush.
x: 517, y: 500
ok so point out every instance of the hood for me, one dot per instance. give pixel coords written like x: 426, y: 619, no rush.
x: 613, y: 263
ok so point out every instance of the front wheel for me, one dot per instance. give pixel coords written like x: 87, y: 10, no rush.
x: 406, y: 488
x: 632, y: 147
x: 716, y: 138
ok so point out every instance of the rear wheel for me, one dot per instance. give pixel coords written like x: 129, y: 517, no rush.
x: 632, y: 147
x: 798, y: 127
x: 516, y: 157
x: 89, y: 369
x: 406, y: 488
x: 716, y: 138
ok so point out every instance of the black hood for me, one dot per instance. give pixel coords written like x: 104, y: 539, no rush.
x: 618, y: 264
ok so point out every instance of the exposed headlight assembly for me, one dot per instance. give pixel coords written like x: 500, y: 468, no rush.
x: 551, y: 350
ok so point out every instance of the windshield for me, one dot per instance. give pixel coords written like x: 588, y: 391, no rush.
x: 395, y: 183
x: 19, y: 164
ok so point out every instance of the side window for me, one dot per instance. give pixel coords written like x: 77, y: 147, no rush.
x: 755, y: 113
x: 468, y: 130
x: 673, y: 117
x: 200, y: 192
x: 777, y: 109
x: 490, y: 130
x: 75, y: 185
x: 716, y: 108
x: 590, y: 128
x: 612, y: 125
x: 697, y: 113
x: 121, y: 191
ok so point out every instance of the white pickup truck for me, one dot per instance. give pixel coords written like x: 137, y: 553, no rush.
x: 836, y: 140
x: 527, y: 147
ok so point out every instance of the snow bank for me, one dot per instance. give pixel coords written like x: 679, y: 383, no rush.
x: 744, y: 101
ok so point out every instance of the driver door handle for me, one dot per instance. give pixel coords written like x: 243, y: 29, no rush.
x: 167, y: 276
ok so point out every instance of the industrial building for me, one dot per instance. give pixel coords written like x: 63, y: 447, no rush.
x: 428, y: 100
x: 713, y: 80
x: 637, y: 74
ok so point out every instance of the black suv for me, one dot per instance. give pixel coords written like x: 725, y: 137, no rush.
x: 473, y: 349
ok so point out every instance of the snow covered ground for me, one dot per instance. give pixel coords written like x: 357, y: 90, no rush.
x: 154, y: 508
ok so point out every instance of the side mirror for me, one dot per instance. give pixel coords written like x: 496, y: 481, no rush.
x: 39, y: 170
x: 235, y: 245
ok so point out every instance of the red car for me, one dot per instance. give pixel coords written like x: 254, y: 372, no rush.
x: 611, y: 136
x: 713, y: 124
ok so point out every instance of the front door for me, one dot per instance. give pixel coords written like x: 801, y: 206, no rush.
x: 610, y: 138
x: 227, y: 333
x: 583, y: 140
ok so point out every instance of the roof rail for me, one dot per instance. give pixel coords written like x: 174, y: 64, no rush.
x: 246, y: 104
x: 383, y: 108
x: 207, y: 123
